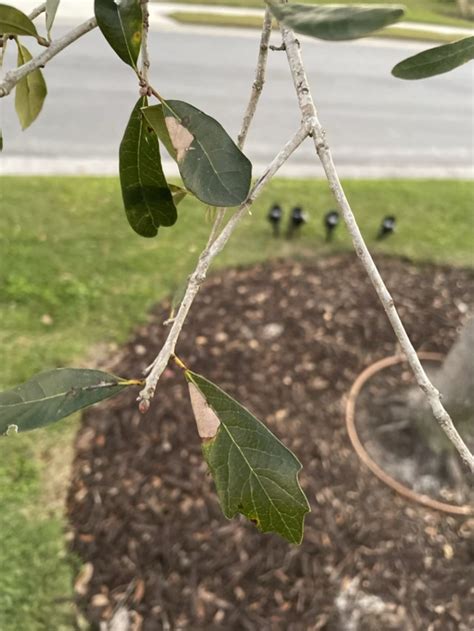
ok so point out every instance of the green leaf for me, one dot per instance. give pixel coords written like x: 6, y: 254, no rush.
x: 51, y: 396
x: 30, y: 91
x: 336, y: 22
x: 436, y: 60
x: 254, y: 473
x: 15, y: 22
x: 211, y: 165
x: 51, y: 8
x: 146, y: 195
x: 121, y: 24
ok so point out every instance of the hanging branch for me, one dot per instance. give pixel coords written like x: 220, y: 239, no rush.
x: 155, y: 369
x: 207, y: 256
x: 309, y: 114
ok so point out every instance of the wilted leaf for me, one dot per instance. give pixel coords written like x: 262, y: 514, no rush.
x: 51, y: 396
x: 211, y: 165
x: 146, y: 195
x: 121, y: 24
x: 51, y: 8
x: 336, y: 22
x: 436, y: 60
x: 30, y: 91
x: 15, y: 22
x: 254, y: 473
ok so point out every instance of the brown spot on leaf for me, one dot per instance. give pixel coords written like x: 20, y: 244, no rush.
x: 206, y: 419
x: 180, y: 137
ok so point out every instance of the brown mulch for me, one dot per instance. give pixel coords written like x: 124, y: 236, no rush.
x: 287, y: 340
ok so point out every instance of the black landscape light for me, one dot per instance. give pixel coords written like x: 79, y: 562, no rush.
x: 274, y: 217
x: 387, y: 227
x: 331, y: 219
x: 297, y: 219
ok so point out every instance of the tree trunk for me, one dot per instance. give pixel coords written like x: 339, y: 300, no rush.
x: 426, y: 459
x: 455, y: 381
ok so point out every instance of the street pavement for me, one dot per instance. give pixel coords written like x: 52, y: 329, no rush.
x: 377, y: 125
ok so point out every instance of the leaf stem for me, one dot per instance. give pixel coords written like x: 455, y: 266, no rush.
x: 156, y: 94
x: 179, y: 362
x: 131, y: 382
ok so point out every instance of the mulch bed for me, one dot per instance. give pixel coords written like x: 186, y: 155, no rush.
x: 287, y: 340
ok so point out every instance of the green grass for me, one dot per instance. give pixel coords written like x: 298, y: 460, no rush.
x: 443, y: 12
x: 253, y: 21
x: 68, y: 253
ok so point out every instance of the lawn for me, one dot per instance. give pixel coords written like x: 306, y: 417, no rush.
x: 74, y: 278
x: 430, y: 11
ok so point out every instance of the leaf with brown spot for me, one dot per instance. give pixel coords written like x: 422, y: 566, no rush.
x: 211, y: 165
x: 254, y: 473
x: 181, y: 138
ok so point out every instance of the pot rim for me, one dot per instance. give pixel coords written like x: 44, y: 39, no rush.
x: 362, y: 453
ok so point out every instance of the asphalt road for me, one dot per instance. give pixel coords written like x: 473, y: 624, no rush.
x: 377, y: 125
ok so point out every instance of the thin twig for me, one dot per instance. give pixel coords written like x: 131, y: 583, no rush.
x: 144, y: 48
x: 257, y: 85
x: 38, y: 11
x: 251, y: 108
x: 309, y: 113
x: 11, y: 78
x: 197, y: 277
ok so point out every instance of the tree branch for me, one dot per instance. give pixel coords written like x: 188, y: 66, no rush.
x: 144, y: 50
x: 207, y: 256
x: 309, y: 113
x: 38, y: 11
x: 156, y: 368
x: 258, y: 84
x: 255, y: 93
x: 11, y: 78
